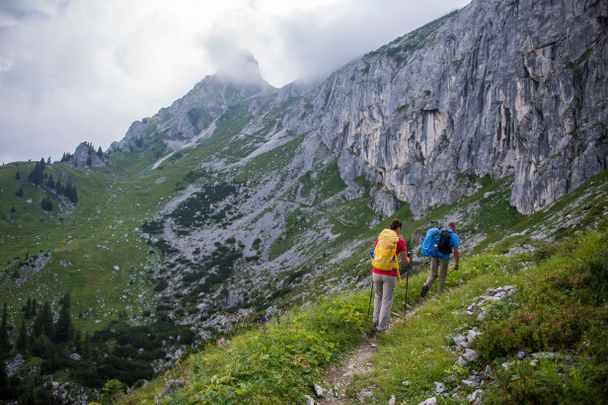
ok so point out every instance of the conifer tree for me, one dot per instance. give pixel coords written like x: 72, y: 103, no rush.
x: 46, y: 204
x: 5, y: 344
x: 99, y: 152
x: 27, y: 309
x: 19, y: 193
x: 4, y: 384
x: 64, y: 328
x: 17, y: 175
x: 43, y: 324
x: 50, y: 182
x: 22, y: 340
x: 37, y: 174
x: 34, y: 307
x: 59, y: 187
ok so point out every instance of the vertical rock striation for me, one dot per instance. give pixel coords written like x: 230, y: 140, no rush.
x: 498, y: 88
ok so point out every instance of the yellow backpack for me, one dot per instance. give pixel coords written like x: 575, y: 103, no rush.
x: 385, y: 257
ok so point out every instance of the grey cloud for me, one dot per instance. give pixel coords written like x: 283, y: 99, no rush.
x: 83, y: 71
x: 320, y: 41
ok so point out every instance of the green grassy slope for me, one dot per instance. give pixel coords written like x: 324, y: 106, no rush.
x: 87, y: 241
x: 280, y: 362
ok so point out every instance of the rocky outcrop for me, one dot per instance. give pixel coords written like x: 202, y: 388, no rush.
x: 499, y: 88
x: 86, y: 156
x: 188, y: 116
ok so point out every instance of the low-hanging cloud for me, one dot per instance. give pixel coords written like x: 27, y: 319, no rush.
x: 73, y: 71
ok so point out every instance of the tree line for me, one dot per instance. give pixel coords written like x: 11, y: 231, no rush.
x: 38, y: 177
x: 48, y: 342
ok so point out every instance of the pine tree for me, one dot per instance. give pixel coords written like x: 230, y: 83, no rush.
x: 34, y: 307
x: 85, y: 350
x: 99, y: 152
x: 27, y: 309
x: 70, y: 192
x: 5, y: 344
x: 46, y: 204
x: 19, y: 193
x: 17, y: 175
x: 22, y: 339
x: 37, y: 174
x: 43, y: 324
x: 5, y: 391
x: 59, y: 187
x: 64, y: 328
x: 50, y: 182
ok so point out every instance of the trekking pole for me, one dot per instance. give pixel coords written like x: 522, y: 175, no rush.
x: 371, y: 292
x: 369, y: 307
x: 407, y: 279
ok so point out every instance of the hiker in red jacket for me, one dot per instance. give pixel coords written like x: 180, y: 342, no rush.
x: 387, y: 248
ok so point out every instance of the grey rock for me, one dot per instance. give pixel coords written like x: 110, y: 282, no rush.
x: 475, y: 396
x: 392, y: 400
x: 12, y: 366
x: 85, y: 155
x: 470, y: 355
x: 487, y: 372
x: 472, y: 381
x: 472, y: 335
x: 439, y: 387
x: 429, y: 401
x: 309, y: 400
x: 173, y: 385
x: 318, y: 390
x: 460, y: 341
x: 545, y: 355
x: 363, y: 395
x: 522, y: 355
x: 461, y: 361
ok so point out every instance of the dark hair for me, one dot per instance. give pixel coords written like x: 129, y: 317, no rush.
x: 395, y: 223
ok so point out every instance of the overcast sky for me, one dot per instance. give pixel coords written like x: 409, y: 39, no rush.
x: 83, y: 70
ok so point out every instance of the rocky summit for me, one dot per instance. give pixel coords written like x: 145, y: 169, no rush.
x: 499, y: 89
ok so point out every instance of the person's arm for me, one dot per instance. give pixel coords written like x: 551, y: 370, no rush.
x: 456, y: 258
x: 403, y: 254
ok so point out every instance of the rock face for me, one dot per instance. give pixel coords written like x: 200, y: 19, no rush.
x: 86, y: 156
x: 499, y: 88
x: 190, y: 115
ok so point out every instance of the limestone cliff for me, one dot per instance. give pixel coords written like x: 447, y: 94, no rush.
x: 498, y: 88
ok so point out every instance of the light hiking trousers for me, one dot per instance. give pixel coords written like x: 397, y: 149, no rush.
x: 383, y: 302
x: 443, y: 265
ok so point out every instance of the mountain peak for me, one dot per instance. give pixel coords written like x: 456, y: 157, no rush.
x: 240, y: 67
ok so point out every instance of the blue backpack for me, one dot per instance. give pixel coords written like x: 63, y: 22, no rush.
x: 430, y: 240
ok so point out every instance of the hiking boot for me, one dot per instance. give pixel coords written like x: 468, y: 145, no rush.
x: 424, y: 290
